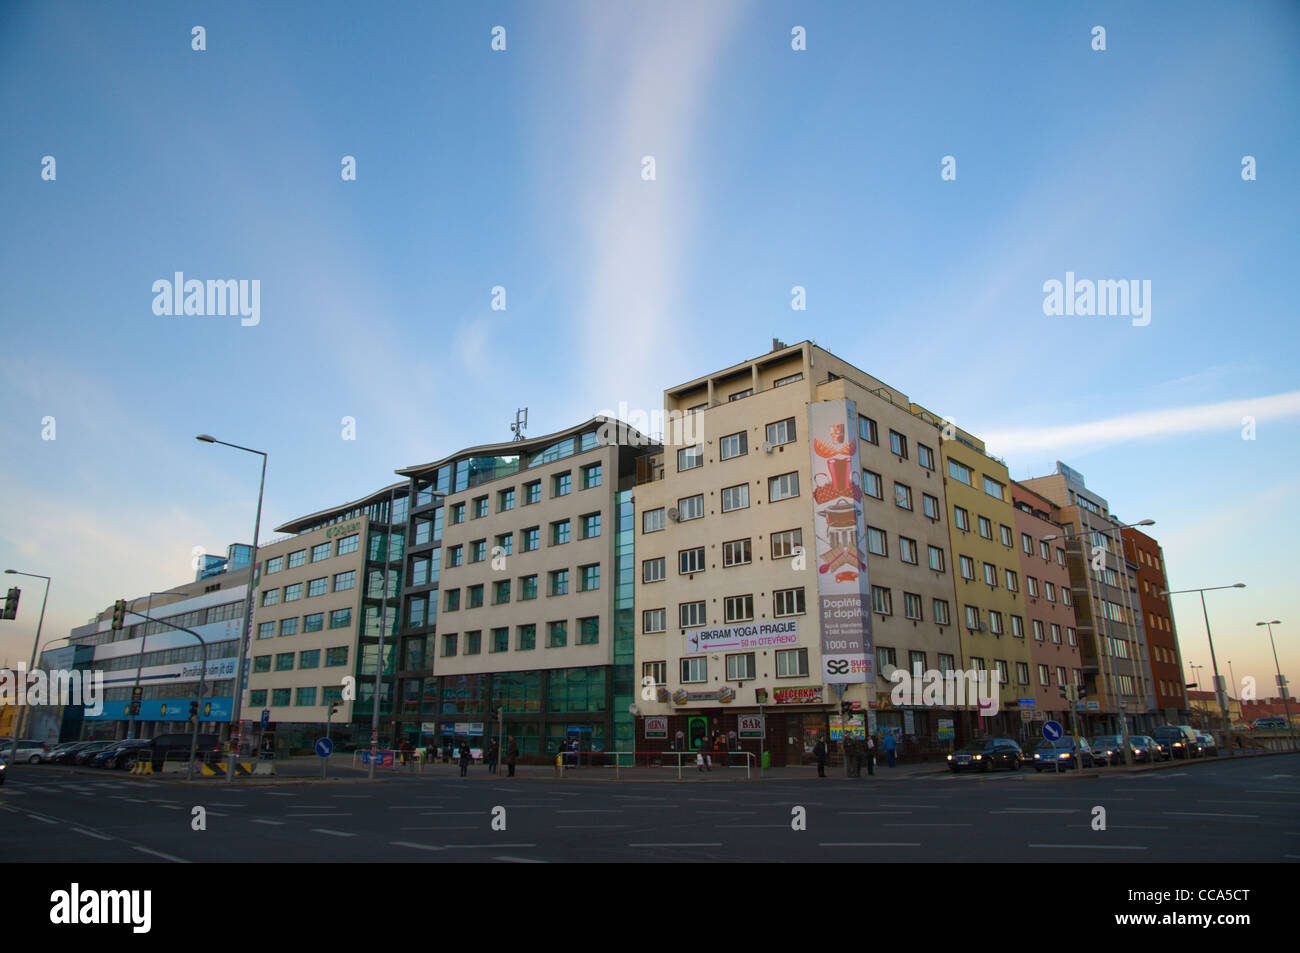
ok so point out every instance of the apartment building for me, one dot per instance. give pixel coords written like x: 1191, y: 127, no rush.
x: 1162, y: 637
x: 1112, y: 637
x: 989, y: 606
x: 517, y: 608
x: 1048, y: 603
x: 317, y: 621
x: 790, y: 559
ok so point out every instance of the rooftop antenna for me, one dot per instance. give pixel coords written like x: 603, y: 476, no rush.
x: 521, y: 421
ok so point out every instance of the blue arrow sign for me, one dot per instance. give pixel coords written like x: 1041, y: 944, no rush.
x: 1052, y: 730
x: 324, y: 747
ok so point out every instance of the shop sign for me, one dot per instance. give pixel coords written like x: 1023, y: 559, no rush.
x: 909, y: 722
x: 803, y: 695
x: 758, y: 635
x: 750, y: 726
x: 946, y: 732
x: 656, y: 726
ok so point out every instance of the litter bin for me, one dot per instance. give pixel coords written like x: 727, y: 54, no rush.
x: 767, y: 760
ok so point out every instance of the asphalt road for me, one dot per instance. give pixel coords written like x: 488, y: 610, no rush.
x: 1225, y: 811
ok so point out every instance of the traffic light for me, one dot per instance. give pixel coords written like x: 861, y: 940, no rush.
x: 846, y: 707
x: 194, y: 710
x: 119, y: 614
x: 11, y: 604
x: 334, y: 709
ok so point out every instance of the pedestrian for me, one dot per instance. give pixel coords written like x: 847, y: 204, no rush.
x: 512, y: 754
x: 890, y: 744
x: 465, y: 758
x: 406, y: 750
x: 871, y: 755
x: 720, y: 749
x: 819, y: 752
x: 492, y: 752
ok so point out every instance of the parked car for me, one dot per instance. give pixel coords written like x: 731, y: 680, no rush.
x: 1049, y: 754
x: 64, y: 753
x: 55, y: 750
x: 29, y: 750
x: 119, y: 755
x: 1179, y: 743
x: 92, y: 749
x: 1209, y: 748
x: 172, y: 747
x: 1147, y: 749
x: 1268, y: 723
x: 1106, y: 750
x: 3, y: 769
x: 987, y: 755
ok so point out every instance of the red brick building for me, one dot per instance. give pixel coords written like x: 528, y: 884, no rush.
x: 1157, y: 616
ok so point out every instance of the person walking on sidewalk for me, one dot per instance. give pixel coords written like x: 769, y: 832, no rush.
x: 819, y: 752
x: 512, y: 755
x: 465, y: 758
x: 493, y: 752
x: 890, y: 744
x: 871, y: 756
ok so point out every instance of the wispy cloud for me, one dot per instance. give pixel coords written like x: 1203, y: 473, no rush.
x: 1152, y: 424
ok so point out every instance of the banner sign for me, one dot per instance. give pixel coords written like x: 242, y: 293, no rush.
x: 757, y: 635
x: 656, y: 726
x: 751, y: 726
x: 843, y: 591
x: 804, y: 695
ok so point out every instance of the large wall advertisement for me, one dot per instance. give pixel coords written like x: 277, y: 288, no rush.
x: 840, y: 526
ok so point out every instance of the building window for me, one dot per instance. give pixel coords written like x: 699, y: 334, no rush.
x: 591, y: 476
x: 961, y: 473
x: 313, y: 622
x: 449, y: 645
x: 453, y: 600
x: 961, y: 519
x: 902, y: 496
x: 532, y: 492
x: 289, y: 626
x: 912, y: 606
x: 789, y: 379
x: 559, y: 582
x: 1013, y: 581
x: 986, y: 527
x: 349, y: 544
x: 321, y: 552
x: 736, y: 553
x: 474, y: 642
x: 478, y: 551
x: 690, y: 560
x: 1049, y: 590
x: 589, y: 577
x: 654, y: 620
x: 500, y: 640
x: 527, y: 637
x: 1038, y: 629
x: 654, y: 673
x: 652, y: 521
x: 257, y: 698
x: 1027, y: 544
x: 694, y: 670
x: 457, y: 514
x: 336, y: 656
x: 733, y: 445
x: 266, y: 630
x: 505, y: 545
x: 872, y: 485
x: 505, y: 500
x: 318, y: 587
x: 788, y: 602
x: 877, y: 541
x: 271, y: 597
x: 738, y: 608
x: 346, y: 580
x: 781, y: 432
x: 995, y: 622
x: 1033, y: 586
x: 688, y: 458
x: 280, y: 697
x: 690, y: 508
x: 274, y: 564
x: 782, y: 487
x: 527, y: 587
x: 341, y: 618
x: 994, y: 489
x: 967, y: 567
x: 907, y: 551
x: 309, y: 659
x: 930, y: 506
x: 735, y: 498
x: 591, y: 526
x: 284, y: 662
x: 297, y: 559
x: 897, y: 444
x: 557, y: 635
x: 559, y: 532
x: 589, y: 630
x: 652, y: 570
x: 1007, y: 539
x: 867, y: 430
x: 792, y: 663
x: 991, y: 575
x: 973, y: 618
x: 691, y: 614
x: 1056, y: 633
x: 532, y: 538
x: 740, y: 667
x: 261, y: 664
x: 936, y: 559
x: 501, y: 592
x: 882, y: 601
x: 561, y: 484
x: 786, y: 542
x: 925, y: 456
x: 1017, y: 627
x: 455, y: 556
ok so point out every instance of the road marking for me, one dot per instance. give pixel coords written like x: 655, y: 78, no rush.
x: 865, y: 813
x: 665, y: 844
x: 171, y: 807
x: 721, y: 826
x: 710, y: 800
x: 330, y: 814
x: 519, y: 860
x: 869, y: 844
x: 1205, y: 814
x: 587, y: 827
x: 1090, y: 846
x: 1130, y: 827
x: 280, y: 794
x: 258, y: 820
x: 37, y: 817
x: 448, y: 813
x: 223, y: 804
x: 593, y: 810
x: 1037, y: 810
x: 728, y: 813
x: 81, y: 830
x: 407, y: 843
x: 929, y: 807
x: 915, y: 824
x: 349, y: 795
x: 482, y: 846
x: 158, y: 853
x: 444, y: 827
x: 1210, y: 800
x: 323, y: 830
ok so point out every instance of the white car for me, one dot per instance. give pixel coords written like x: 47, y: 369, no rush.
x: 29, y: 752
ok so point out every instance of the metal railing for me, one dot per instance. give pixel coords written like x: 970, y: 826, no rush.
x: 620, y: 761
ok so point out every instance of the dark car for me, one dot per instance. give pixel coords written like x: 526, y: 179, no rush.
x: 1209, y: 748
x: 85, y: 754
x: 1049, y: 754
x: 1178, y: 742
x: 987, y: 755
x: 176, y: 747
x: 1146, y: 749
x: 1106, y: 750
x: 66, y: 755
x: 120, y: 755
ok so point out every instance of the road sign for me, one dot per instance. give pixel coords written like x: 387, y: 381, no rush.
x: 266, y: 718
x: 324, y: 747
x: 1052, y: 730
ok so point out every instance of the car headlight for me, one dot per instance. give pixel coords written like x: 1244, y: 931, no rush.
x: 1064, y: 755
x: 979, y: 757
x: 949, y: 757
x: 1037, y: 755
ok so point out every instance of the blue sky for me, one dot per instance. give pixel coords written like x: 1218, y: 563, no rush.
x: 522, y: 169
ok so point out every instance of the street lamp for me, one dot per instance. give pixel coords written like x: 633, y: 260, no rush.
x: 1281, y: 682
x: 1125, y: 750
x: 238, y: 692
x: 1218, y: 679
x: 22, y: 710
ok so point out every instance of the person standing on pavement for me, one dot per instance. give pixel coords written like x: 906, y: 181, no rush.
x: 819, y: 752
x: 512, y: 755
x: 493, y: 752
x: 871, y: 755
x: 890, y: 744
x: 465, y: 758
